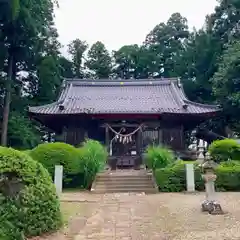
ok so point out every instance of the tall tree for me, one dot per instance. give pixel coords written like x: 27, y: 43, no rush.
x: 21, y: 27
x: 224, y: 22
x: 133, y: 61
x: 76, y: 50
x: 226, y: 84
x: 10, y: 13
x: 166, y: 42
x: 66, y: 67
x: 99, y: 60
x: 200, y: 63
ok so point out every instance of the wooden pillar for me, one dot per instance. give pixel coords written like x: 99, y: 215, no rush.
x: 107, y: 137
x: 139, y: 149
x: 160, y: 141
x: 182, y: 141
x: 138, y: 142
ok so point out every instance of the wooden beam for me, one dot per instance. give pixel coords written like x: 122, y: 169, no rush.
x: 120, y: 125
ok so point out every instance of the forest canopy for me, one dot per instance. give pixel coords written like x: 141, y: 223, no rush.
x: 32, y: 66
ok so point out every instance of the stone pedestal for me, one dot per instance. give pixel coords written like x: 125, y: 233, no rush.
x: 210, y: 204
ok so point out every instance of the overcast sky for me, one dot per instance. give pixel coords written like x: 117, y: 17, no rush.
x: 120, y: 22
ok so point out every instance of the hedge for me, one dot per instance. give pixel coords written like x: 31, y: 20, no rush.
x: 224, y: 150
x: 80, y: 165
x: 173, y: 179
x: 29, y: 205
x: 58, y: 153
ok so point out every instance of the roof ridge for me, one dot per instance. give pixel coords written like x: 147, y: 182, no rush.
x: 126, y: 82
x: 120, y: 79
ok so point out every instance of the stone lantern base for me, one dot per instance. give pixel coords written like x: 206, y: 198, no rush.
x: 212, y: 207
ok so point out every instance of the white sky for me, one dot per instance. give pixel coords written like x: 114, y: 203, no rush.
x: 122, y: 22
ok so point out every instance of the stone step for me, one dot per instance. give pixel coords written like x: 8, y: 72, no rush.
x: 123, y: 183
x: 123, y: 186
x: 122, y: 190
x: 130, y: 178
x: 123, y: 179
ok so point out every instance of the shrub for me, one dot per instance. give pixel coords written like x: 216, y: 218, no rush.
x: 224, y: 150
x: 173, y: 178
x: 51, y: 154
x: 94, y: 157
x: 29, y: 205
x: 231, y: 163
x: 158, y: 157
x: 228, y: 178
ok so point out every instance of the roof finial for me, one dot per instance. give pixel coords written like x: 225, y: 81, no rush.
x: 179, y: 82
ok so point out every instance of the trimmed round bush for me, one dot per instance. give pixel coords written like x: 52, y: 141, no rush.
x: 51, y: 154
x: 158, y: 157
x: 29, y: 205
x: 224, y: 150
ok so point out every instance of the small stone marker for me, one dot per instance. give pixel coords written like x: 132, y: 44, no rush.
x: 190, y: 177
x: 58, y: 178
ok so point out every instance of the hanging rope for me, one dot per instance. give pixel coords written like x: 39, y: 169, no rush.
x: 124, y: 137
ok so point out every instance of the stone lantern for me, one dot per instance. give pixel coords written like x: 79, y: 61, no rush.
x: 210, y: 204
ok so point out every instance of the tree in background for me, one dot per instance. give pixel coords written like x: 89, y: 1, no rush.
x: 226, y: 84
x: 200, y: 59
x: 66, y: 67
x: 166, y: 43
x: 126, y: 60
x: 76, y: 49
x: 205, y: 59
x: 99, y: 61
x: 23, y: 30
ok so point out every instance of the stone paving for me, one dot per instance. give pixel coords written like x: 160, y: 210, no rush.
x: 163, y: 216
x: 170, y: 216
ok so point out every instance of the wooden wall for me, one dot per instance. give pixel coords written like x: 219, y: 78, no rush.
x: 154, y: 132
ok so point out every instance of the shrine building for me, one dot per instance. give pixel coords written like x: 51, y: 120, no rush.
x: 125, y: 115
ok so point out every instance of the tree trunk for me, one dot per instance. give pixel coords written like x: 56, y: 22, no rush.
x: 7, y: 102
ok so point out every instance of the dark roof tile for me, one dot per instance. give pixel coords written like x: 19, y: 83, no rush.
x: 130, y: 96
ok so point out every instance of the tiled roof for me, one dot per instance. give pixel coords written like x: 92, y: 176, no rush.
x: 147, y: 96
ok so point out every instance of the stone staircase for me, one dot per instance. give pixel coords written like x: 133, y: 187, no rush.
x: 124, y: 181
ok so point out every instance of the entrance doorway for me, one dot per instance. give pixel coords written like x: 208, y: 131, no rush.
x: 124, y: 147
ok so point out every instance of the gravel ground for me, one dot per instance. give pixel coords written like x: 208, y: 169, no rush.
x: 163, y: 216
